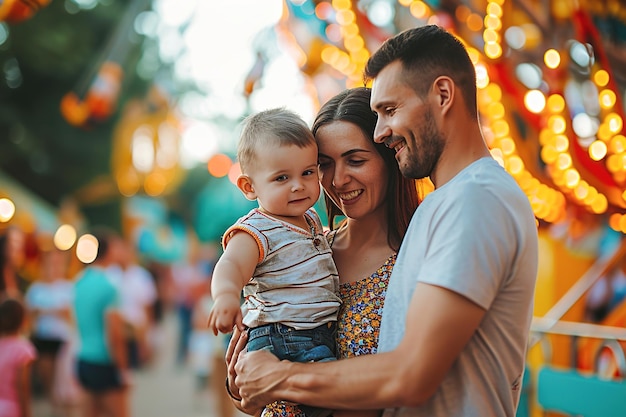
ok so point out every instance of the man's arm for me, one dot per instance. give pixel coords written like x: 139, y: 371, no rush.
x: 115, y: 335
x: 439, y: 324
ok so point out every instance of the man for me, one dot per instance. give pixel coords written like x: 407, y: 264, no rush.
x: 102, y: 366
x: 138, y: 294
x: 458, y: 309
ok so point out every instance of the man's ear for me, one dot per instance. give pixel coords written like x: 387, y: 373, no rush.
x: 245, y: 185
x: 445, y: 91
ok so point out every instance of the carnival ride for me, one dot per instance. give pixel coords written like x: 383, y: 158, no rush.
x: 551, y: 79
x: 551, y: 82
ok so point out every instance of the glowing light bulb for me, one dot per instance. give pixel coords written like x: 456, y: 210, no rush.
x: 564, y: 161
x: 552, y: 58
x: 556, y: 103
x: 572, y: 178
x: 64, y: 237
x: 597, y: 150
x: 7, y: 210
x: 599, y: 204
x: 535, y: 101
x: 87, y: 248
x: 601, y: 78
x: 607, y: 99
x: 557, y: 124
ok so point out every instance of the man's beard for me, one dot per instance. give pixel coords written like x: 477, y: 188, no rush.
x: 422, y: 161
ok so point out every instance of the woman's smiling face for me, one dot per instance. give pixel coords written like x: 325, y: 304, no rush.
x: 352, y: 172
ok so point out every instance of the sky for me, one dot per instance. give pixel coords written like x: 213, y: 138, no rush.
x: 216, y: 49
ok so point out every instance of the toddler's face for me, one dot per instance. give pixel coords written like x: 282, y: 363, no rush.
x: 285, y: 179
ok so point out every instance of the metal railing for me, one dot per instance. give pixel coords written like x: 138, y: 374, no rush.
x: 551, y: 321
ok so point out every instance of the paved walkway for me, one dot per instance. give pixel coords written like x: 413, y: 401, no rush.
x: 164, y: 389
x: 168, y: 390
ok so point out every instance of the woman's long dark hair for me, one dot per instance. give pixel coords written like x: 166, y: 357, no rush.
x: 353, y: 105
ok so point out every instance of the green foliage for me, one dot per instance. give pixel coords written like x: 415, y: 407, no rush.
x: 56, y: 51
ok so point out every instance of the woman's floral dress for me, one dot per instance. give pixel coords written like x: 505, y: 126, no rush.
x: 358, y: 324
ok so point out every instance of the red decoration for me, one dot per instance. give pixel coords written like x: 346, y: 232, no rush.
x: 15, y: 11
x: 104, y: 91
x: 100, y: 100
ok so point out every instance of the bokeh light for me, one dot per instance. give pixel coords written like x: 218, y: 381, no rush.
x: 552, y: 58
x: 87, y: 248
x: 65, y: 237
x: 7, y: 210
x: 535, y: 101
x: 219, y: 165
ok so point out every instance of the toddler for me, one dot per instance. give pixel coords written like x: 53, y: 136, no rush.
x: 278, y: 253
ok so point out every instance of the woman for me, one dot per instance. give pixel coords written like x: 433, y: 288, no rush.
x: 49, y: 304
x: 362, y: 182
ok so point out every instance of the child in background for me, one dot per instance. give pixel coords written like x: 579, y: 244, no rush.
x: 16, y: 357
x: 278, y: 253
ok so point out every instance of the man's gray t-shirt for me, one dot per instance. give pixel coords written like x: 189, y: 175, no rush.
x: 476, y: 235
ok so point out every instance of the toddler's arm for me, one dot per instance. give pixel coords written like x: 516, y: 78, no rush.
x: 232, y: 271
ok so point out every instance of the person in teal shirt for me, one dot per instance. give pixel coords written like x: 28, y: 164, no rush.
x: 102, y: 362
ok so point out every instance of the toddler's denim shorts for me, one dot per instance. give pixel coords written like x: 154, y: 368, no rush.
x: 310, y: 345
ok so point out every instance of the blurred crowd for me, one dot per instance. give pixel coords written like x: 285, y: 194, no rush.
x: 47, y: 324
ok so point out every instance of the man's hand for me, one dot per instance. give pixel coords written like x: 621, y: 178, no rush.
x: 225, y: 314
x: 236, y: 344
x: 258, y: 373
